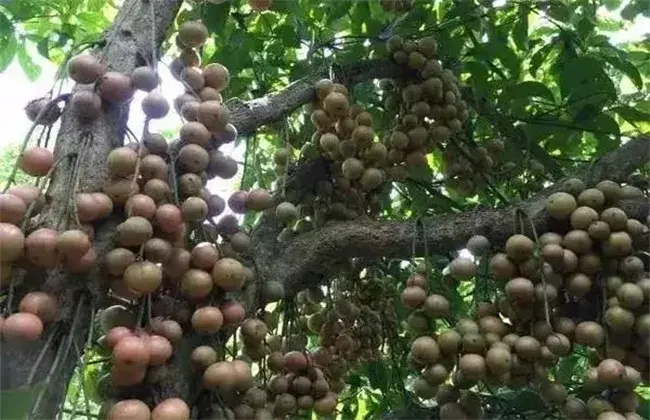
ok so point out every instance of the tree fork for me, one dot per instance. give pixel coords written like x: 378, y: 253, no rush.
x: 127, y: 45
x: 310, y: 258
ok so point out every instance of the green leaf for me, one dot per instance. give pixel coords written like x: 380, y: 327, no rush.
x: 559, y: 11
x: 43, y: 47
x: 31, y: 69
x: 585, y: 27
x: 215, y: 16
x: 612, y: 4
x: 527, y: 89
x: 7, y: 51
x: 539, y: 56
x: 377, y: 374
x: 17, y: 402
x: 490, y: 50
x: 520, y: 30
x: 627, y: 68
x: 630, y: 114
x: 584, y: 78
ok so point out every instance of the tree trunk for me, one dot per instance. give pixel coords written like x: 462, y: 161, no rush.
x: 50, y: 361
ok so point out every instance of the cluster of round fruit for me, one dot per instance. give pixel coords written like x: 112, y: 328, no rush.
x: 344, y: 135
x: 430, y: 115
x: 588, y: 257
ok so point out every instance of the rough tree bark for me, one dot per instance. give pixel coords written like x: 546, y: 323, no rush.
x: 127, y: 44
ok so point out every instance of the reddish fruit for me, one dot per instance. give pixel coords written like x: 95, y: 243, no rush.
x: 116, y: 334
x: 127, y: 375
x: 140, y: 205
x: 115, y: 87
x: 171, y: 409
x: 85, y: 69
x: 160, y: 349
x: 36, y: 161
x: 132, y: 351
x: 45, y: 306
x: 22, y: 326
x: 168, y: 218
x: 12, y: 209
x: 12, y: 242
x: 41, y: 249
x: 207, y: 320
x: 82, y: 264
x: 295, y: 361
x: 233, y: 313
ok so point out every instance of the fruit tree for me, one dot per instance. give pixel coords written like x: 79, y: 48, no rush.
x: 434, y: 209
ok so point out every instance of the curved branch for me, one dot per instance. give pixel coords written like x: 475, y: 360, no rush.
x: 310, y: 257
x: 250, y: 115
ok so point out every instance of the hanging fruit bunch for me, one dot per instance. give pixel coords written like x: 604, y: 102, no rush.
x: 430, y: 114
x: 582, y: 283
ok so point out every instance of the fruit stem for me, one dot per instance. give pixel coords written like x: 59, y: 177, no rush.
x: 32, y: 372
x: 522, y: 214
x: 60, y: 354
x: 23, y: 146
x: 84, y: 362
x: 88, y: 137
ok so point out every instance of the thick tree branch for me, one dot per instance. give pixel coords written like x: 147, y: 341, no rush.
x: 128, y: 44
x: 311, y: 257
x: 250, y: 115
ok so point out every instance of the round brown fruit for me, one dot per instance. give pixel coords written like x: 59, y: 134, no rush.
x: 143, y: 276
x: 219, y: 375
x: 12, y: 242
x: 259, y: 200
x: 425, y: 349
x: 194, y: 209
x: 413, y: 296
x: 85, y: 69
x: 115, y: 87
x: 216, y: 76
x: 36, y: 161
x: 193, y: 33
x: 144, y: 78
x: 41, y: 304
x: 295, y: 361
x: 233, y: 313
x: 12, y: 209
x: 462, y: 268
x: 519, y: 247
x: 171, y: 409
x: 129, y: 409
x: 214, y: 115
x: 154, y: 105
x: 22, y: 326
x: 589, y: 333
x: 41, y: 249
x: 228, y: 274
x: 560, y: 205
x: 193, y: 158
x: 472, y: 366
x: 134, y: 231
x: 130, y: 350
x: 202, y: 357
x: 160, y: 349
x: 73, y: 244
x: 207, y: 320
x: 168, y: 218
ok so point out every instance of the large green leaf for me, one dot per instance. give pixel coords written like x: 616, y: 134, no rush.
x: 489, y: 51
x: 584, y: 78
x: 630, y: 114
x: 527, y: 89
x: 627, y: 68
x: 31, y: 69
x: 215, y: 16
x: 520, y: 29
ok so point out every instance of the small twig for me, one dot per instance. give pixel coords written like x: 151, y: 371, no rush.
x: 542, y: 274
x: 32, y: 372
x: 63, y: 350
